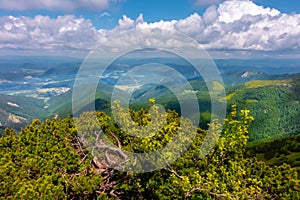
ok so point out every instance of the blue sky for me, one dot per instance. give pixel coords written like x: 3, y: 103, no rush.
x: 74, y: 26
x: 153, y: 10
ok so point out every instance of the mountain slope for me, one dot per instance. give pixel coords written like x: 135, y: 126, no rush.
x: 274, y: 105
x: 18, y: 111
x: 237, y: 77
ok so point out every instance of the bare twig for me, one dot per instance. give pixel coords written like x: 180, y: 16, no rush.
x: 83, y: 159
x: 118, y: 141
x: 170, y: 169
x: 118, y: 150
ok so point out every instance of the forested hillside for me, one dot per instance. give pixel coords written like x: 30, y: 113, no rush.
x: 274, y: 104
x: 277, y: 152
x: 49, y: 161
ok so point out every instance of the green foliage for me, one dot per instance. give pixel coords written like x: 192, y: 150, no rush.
x: 277, y: 152
x: 222, y: 174
x: 43, y: 163
x: 29, y: 107
x: 275, y: 108
x: 263, y: 83
x: 48, y: 161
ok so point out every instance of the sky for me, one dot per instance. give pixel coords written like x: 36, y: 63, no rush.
x: 225, y: 28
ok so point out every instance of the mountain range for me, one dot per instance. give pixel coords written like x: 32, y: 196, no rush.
x: 40, y: 88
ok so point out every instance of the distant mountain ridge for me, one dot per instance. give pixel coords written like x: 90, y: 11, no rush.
x: 236, y: 77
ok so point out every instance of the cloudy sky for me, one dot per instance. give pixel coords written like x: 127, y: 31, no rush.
x: 231, y: 28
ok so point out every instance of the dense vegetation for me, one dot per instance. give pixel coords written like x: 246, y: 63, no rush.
x: 25, y: 107
x: 49, y: 161
x: 274, y: 104
x: 277, y: 152
x: 45, y: 162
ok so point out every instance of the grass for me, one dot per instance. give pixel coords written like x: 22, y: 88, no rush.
x: 263, y: 83
x: 229, y: 96
x: 217, y: 86
x: 251, y: 101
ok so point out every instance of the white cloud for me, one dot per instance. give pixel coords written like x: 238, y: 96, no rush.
x: 232, y: 25
x: 210, y: 15
x: 191, y: 25
x: 105, y: 14
x: 64, y: 5
x: 43, y: 33
x: 235, y: 9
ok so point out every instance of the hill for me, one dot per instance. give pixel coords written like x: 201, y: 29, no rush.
x: 42, y: 87
x: 237, y: 77
x: 275, y: 105
x: 277, y: 152
x: 18, y: 111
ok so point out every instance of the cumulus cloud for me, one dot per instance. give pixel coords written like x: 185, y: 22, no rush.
x: 64, y: 5
x: 231, y: 26
x: 235, y: 9
x: 43, y: 33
